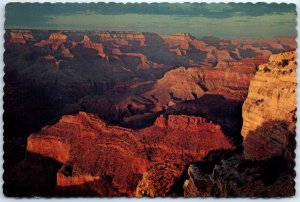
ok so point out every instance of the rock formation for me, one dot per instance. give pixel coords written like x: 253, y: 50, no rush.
x: 55, y: 40
x: 159, y: 179
x: 122, y: 37
x: 222, y: 174
x: 230, y: 79
x: 269, y: 110
x: 20, y: 36
x: 87, y: 43
x: 92, y: 150
x: 266, y: 166
x: 178, y: 40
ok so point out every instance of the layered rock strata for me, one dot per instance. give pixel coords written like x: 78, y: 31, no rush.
x: 91, y: 150
x: 230, y: 79
x: 269, y: 111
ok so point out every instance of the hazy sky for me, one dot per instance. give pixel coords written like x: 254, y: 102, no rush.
x: 222, y: 20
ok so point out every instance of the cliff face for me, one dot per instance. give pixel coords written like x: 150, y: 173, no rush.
x: 266, y: 166
x: 229, y: 79
x: 87, y: 43
x: 91, y: 151
x: 55, y: 40
x: 269, y: 111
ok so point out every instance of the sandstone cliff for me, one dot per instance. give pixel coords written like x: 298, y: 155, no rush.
x: 269, y: 110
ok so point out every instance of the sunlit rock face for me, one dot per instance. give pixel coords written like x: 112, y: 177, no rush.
x: 269, y: 111
x: 92, y: 150
x: 20, y: 36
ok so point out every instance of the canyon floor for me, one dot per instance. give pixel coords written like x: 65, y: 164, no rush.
x: 142, y: 114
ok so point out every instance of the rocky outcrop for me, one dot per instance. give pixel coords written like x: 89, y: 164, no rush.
x: 234, y: 176
x: 158, y: 180
x: 176, y: 85
x: 55, y: 40
x: 246, y: 65
x: 57, y: 37
x: 123, y: 37
x: 91, y: 150
x: 54, y: 148
x: 87, y: 43
x: 143, y: 62
x: 20, y: 36
x: 269, y: 110
x: 65, y: 52
x: 178, y: 40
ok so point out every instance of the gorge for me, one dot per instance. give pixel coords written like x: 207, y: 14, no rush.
x: 143, y: 114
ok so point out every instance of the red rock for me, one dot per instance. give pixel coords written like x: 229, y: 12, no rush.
x: 51, y: 147
x: 229, y: 78
x: 65, y: 52
x: 160, y: 122
x: 20, y: 36
x: 122, y: 37
x: 87, y: 43
x: 91, y: 149
x: 158, y: 180
x: 180, y: 40
x: 54, y: 40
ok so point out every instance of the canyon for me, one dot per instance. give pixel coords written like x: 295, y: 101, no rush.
x: 143, y: 114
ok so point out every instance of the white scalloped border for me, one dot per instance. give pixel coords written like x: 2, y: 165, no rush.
x: 2, y: 31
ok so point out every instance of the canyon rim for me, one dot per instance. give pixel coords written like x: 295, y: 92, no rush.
x: 150, y: 100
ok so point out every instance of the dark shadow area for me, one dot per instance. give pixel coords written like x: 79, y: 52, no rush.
x: 158, y: 52
x: 96, y: 188
x: 248, y: 53
x: 271, y: 139
x: 33, y: 176
x: 212, y: 41
x: 177, y: 188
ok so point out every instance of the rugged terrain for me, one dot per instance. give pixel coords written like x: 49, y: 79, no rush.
x: 141, y: 114
x: 266, y: 166
x: 110, y: 160
x: 123, y: 71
